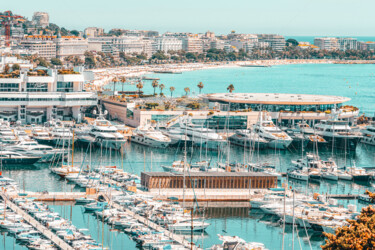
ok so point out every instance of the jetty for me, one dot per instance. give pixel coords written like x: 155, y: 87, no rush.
x: 53, y: 196
x: 33, y: 222
x: 177, y: 238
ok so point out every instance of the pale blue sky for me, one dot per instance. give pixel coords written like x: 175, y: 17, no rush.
x: 286, y: 17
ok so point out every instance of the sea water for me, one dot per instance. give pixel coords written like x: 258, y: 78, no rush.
x: 354, y: 81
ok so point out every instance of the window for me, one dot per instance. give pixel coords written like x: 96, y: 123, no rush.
x: 37, y: 87
x: 64, y: 87
x: 9, y: 87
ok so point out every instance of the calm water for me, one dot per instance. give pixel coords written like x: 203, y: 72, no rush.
x: 251, y: 226
x: 354, y: 81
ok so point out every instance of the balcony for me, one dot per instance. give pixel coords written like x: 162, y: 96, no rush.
x: 38, y: 99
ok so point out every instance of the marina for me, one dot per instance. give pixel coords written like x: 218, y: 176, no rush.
x: 216, y: 179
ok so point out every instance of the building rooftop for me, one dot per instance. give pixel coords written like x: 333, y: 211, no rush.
x: 275, y: 98
x: 208, y: 174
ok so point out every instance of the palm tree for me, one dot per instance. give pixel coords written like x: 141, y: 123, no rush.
x: 200, y: 86
x: 122, y: 80
x: 114, y: 80
x: 230, y: 88
x: 161, y: 87
x: 187, y: 91
x: 155, y: 84
x: 139, y: 87
x: 172, y: 89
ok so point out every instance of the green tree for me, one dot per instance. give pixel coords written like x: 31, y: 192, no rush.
x: 358, y: 234
x: 171, y: 89
x: 74, y: 32
x: 291, y: 42
x: 187, y: 91
x: 123, y: 81
x: 42, y: 62
x: 6, y: 69
x: 139, y: 87
x: 56, y: 61
x: 161, y: 87
x: 230, y: 88
x: 16, y: 66
x: 155, y: 84
x: 200, y: 86
x: 115, y: 81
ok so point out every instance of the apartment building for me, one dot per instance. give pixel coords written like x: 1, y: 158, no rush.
x: 40, y: 19
x: 93, y: 32
x: 70, y: 46
x: 166, y: 44
x: 347, y: 43
x: 327, y: 43
x: 43, y: 45
x: 192, y: 44
x: 276, y: 42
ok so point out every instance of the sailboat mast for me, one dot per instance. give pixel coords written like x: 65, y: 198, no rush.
x: 72, y: 148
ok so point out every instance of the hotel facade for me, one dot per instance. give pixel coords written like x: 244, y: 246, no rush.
x: 41, y: 95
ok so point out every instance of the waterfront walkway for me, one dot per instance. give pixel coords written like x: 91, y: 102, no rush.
x: 45, y: 231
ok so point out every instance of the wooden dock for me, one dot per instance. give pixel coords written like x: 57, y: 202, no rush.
x: 45, y: 231
x: 53, y: 196
x: 179, y: 239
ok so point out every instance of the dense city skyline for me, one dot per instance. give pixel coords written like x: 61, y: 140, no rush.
x: 294, y: 18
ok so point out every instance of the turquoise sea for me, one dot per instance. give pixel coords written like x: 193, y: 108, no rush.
x: 354, y: 81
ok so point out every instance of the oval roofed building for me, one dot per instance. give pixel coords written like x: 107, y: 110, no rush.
x: 274, y: 102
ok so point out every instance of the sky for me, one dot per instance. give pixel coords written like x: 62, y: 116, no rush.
x: 285, y: 17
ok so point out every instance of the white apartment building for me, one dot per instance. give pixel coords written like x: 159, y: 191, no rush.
x: 327, y: 43
x: 130, y: 45
x: 40, y: 19
x: 166, y: 44
x: 347, y: 43
x: 33, y: 98
x: 70, y: 46
x: 93, y: 32
x: 276, y: 42
x: 43, y: 45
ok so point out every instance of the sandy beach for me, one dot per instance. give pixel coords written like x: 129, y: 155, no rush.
x: 104, y: 76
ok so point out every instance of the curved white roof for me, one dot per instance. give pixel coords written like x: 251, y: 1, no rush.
x: 275, y: 98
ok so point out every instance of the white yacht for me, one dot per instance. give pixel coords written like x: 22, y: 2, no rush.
x: 187, y: 225
x: 201, y: 136
x: 178, y: 139
x: 7, y: 135
x: 62, y: 136
x: 247, y: 138
x: 267, y: 130
x: 338, y: 133
x: 32, y: 148
x: 103, y: 133
x: 41, y: 135
x: 150, y: 137
x: 369, y: 134
x: 236, y: 243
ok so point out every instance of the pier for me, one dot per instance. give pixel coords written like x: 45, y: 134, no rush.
x: 53, y: 196
x: 177, y: 238
x: 45, y: 231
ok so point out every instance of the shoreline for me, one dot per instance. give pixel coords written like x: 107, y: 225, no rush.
x: 105, y: 75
